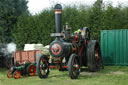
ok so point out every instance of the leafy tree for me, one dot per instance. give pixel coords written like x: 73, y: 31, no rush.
x: 95, y: 18
x: 37, y: 28
x: 9, y: 12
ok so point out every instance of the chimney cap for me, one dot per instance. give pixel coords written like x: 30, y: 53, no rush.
x: 58, y: 7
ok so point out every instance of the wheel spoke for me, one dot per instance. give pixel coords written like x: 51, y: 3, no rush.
x: 32, y: 70
x: 73, y: 66
x: 17, y: 74
x: 10, y: 74
x: 43, y: 65
x: 96, y: 56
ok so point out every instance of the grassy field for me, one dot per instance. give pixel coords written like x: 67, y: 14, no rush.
x: 111, y: 75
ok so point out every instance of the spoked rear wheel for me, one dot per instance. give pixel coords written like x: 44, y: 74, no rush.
x: 17, y: 74
x: 94, y: 56
x: 73, y: 66
x: 42, y: 67
x: 31, y: 70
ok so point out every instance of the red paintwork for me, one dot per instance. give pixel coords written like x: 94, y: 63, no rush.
x: 32, y: 70
x: 64, y: 66
x: 76, y: 38
x: 55, y: 66
x: 17, y: 75
x: 56, y: 49
x: 23, y: 56
x: 51, y: 66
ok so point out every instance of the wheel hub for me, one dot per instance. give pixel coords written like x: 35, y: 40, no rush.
x: 76, y: 66
x: 96, y: 56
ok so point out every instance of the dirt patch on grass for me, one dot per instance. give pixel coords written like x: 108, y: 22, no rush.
x: 117, y: 73
x: 89, y: 73
x: 96, y: 73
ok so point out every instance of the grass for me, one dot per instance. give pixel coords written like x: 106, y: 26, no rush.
x: 111, y: 75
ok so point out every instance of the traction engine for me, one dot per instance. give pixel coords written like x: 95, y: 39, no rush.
x: 70, y: 51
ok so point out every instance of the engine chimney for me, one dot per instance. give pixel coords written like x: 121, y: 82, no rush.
x: 58, y: 14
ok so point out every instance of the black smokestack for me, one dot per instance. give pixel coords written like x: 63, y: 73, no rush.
x: 58, y: 14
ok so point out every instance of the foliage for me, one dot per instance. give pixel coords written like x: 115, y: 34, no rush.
x: 37, y: 28
x: 34, y: 29
x: 9, y: 12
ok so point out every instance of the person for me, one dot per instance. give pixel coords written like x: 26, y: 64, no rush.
x: 86, y: 33
x: 79, y: 31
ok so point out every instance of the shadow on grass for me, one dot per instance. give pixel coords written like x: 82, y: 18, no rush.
x: 85, y: 74
x: 58, y: 74
x: 65, y: 74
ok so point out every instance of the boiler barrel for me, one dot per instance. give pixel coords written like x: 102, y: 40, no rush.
x: 62, y: 49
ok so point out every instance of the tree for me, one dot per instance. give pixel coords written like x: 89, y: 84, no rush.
x: 35, y: 29
x: 9, y: 12
x: 95, y: 18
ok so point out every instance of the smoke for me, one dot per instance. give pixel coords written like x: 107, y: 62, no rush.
x: 7, y: 49
x: 11, y: 47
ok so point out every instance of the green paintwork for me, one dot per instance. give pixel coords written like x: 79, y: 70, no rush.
x: 114, y: 47
x: 20, y: 68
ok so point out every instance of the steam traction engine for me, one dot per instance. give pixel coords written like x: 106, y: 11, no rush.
x: 70, y: 52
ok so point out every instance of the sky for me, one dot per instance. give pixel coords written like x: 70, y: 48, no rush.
x: 35, y: 6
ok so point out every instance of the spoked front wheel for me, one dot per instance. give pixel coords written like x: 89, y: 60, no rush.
x: 42, y: 67
x: 17, y: 74
x: 9, y: 74
x: 73, y: 66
